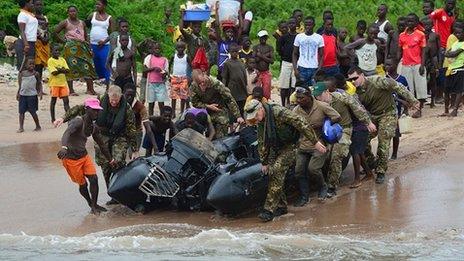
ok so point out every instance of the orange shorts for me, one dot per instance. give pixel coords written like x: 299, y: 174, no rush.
x: 78, y: 169
x: 59, y: 91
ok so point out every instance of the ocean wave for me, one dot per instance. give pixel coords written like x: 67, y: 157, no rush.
x: 178, y: 241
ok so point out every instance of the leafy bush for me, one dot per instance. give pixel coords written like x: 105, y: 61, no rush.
x: 146, y: 16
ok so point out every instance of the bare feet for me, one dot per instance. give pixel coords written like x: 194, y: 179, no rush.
x: 445, y: 114
x: 368, y: 177
x: 355, y: 184
x: 100, y: 208
x: 20, y: 131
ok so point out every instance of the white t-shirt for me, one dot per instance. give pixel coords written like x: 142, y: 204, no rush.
x: 31, y: 25
x: 249, y: 16
x: 309, y: 45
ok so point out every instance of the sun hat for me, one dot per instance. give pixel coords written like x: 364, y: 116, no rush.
x: 251, y: 108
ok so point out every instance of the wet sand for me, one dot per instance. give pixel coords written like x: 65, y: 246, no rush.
x: 38, y: 199
x: 423, y: 190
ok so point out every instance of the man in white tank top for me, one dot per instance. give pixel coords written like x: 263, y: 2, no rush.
x: 382, y: 22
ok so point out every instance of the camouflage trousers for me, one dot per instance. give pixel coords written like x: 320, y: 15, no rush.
x: 220, y: 122
x: 277, y: 171
x: 118, y: 150
x: 386, y: 126
x: 339, y: 152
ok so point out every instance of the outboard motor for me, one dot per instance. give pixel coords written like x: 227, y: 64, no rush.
x: 182, y: 178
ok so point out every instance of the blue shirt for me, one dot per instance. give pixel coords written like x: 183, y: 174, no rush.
x: 400, y: 79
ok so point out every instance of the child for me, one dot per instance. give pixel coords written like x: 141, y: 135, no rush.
x: 122, y: 64
x: 235, y: 78
x: 179, y: 79
x: 287, y: 77
x: 366, y: 51
x: 391, y: 68
x: 246, y: 51
x: 230, y: 36
x: 155, y: 140
x: 283, y: 30
x: 144, y: 50
x: 264, y: 54
x: 123, y: 30
x: 391, y: 49
x: 57, y: 82
x: 411, y: 43
x: 157, y: 68
x: 431, y: 58
x: 257, y: 94
x: 455, y: 79
x: 361, y: 27
x: 193, y: 39
x: 75, y: 157
x: 30, y: 89
x: 252, y: 75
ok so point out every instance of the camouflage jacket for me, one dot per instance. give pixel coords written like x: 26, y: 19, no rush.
x: 215, y: 93
x: 130, y: 132
x: 347, y: 106
x: 315, y: 119
x: 377, y: 95
x: 284, y: 118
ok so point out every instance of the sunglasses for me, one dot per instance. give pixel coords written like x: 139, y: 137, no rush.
x: 353, y: 79
x: 301, y: 90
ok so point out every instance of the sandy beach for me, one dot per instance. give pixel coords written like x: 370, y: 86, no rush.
x: 423, y: 190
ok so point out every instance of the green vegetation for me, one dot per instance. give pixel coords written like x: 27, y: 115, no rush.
x: 146, y: 16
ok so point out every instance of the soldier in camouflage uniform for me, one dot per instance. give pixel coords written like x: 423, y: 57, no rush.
x: 212, y: 95
x: 347, y: 107
x: 376, y: 94
x: 309, y: 161
x: 278, y: 132
x: 116, y: 124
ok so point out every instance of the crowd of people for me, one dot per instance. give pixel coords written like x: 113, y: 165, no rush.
x: 363, y: 82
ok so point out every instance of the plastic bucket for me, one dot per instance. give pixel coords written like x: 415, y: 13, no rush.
x: 404, y: 124
x: 228, y: 11
x: 197, y: 15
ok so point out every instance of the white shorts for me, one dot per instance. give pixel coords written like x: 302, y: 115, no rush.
x: 287, y: 77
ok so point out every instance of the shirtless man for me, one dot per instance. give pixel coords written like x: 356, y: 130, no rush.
x: 361, y: 27
x: 431, y: 57
x: 344, y: 58
x: 122, y: 64
x: 75, y: 157
x: 155, y: 140
x: 391, y: 48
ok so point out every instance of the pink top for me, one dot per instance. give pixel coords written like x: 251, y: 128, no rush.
x: 74, y: 32
x: 160, y: 62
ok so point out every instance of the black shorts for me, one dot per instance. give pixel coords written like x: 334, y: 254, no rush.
x: 454, y: 83
x: 121, y: 82
x: 28, y: 103
x: 359, y: 140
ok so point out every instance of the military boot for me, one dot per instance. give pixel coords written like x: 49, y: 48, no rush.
x: 303, y: 187
x: 266, y: 215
